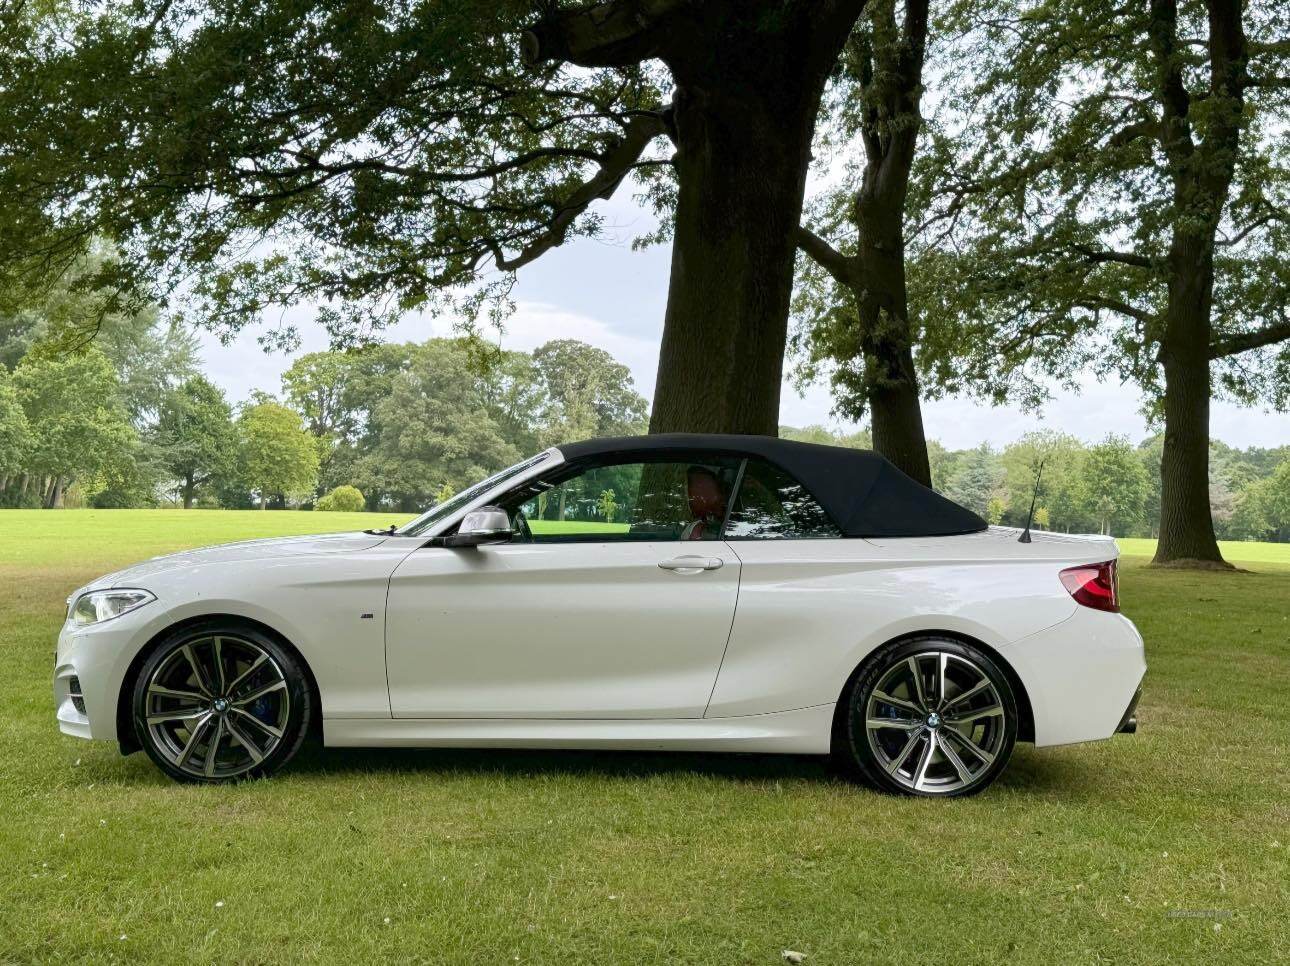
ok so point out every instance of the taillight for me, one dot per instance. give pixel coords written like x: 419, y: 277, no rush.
x: 1094, y: 585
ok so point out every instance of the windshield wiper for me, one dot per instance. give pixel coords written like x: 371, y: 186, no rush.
x: 387, y: 532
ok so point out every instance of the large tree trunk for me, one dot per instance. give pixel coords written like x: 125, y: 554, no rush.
x: 741, y: 164
x: 886, y: 339
x: 189, y: 487
x: 896, y: 414
x: 1186, y: 527
x: 743, y: 116
x: 874, y: 354
x: 890, y: 137
x: 1202, y: 176
x: 749, y: 75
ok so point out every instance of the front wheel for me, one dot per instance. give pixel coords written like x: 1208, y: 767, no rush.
x: 220, y: 702
x: 929, y: 716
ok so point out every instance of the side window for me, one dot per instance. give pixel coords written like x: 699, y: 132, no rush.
x: 771, y: 505
x: 656, y: 500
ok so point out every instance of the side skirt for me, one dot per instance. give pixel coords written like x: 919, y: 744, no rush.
x: 802, y: 732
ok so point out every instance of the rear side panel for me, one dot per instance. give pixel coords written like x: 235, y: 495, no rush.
x: 1080, y: 674
x: 810, y: 611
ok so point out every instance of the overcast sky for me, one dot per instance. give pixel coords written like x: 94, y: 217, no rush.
x: 602, y: 292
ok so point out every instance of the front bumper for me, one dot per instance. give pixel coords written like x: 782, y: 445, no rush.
x: 89, y: 666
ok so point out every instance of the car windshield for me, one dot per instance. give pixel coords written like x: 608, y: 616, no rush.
x: 454, y: 503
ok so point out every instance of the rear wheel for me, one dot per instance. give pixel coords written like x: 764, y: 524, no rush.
x: 221, y: 702
x: 929, y: 716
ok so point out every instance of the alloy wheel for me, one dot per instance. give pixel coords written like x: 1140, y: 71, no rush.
x: 217, y: 706
x: 935, y: 722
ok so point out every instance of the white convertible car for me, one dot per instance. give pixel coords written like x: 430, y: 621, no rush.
x: 714, y: 593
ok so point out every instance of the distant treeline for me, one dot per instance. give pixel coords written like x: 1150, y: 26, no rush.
x: 129, y: 421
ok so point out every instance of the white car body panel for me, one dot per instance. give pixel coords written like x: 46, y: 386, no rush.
x: 1079, y: 675
x: 811, y: 610
x: 574, y: 630
x: 316, y: 598
x: 802, y: 732
x: 571, y: 645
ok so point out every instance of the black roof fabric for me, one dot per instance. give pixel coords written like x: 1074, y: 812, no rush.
x: 864, y: 493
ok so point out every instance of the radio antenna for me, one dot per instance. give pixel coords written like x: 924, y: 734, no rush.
x: 1039, y: 475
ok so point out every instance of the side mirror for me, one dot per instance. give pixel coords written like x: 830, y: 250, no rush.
x: 488, y: 524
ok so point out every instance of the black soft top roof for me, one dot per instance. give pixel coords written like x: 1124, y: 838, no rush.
x: 864, y: 493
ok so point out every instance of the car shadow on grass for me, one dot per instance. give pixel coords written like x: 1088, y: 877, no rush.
x: 314, y: 759
x: 1028, y: 772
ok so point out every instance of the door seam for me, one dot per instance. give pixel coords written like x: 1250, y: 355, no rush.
x: 731, y: 632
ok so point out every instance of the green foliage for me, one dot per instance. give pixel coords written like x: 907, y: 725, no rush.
x: 585, y: 393
x: 409, y: 423
x: 1107, y: 487
x: 850, y: 314
x: 343, y: 499
x: 1115, y: 485
x: 1057, y: 206
x: 1263, y: 508
x: 994, y: 510
x: 131, y: 481
x: 150, y: 355
x: 607, y: 505
x: 861, y: 439
x: 277, y: 455
x: 336, y: 391
x: 15, y: 431
x: 372, y: 157
x: 434, y: 427
x: 194, y: 435
x: 78, y: 428
x: 977, y: 480
x: 1061, y: 491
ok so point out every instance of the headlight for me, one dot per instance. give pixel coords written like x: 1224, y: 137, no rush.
x: 102, y: 605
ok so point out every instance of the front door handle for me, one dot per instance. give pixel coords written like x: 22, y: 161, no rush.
x: 691, y: 564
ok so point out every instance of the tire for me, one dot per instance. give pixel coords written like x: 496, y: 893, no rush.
x: 221, y: 702
x: 938, y: 745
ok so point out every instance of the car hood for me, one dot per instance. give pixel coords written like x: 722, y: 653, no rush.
x: 243, y: 551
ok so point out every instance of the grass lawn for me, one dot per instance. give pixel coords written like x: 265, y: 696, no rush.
x: 1111, y: 852
x: 575, y: 526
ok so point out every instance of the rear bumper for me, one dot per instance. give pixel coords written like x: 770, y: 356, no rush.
x: 1083, y: 676
x: 1129, y: 723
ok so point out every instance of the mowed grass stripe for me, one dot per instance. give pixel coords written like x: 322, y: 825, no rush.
x: 1079, y: 855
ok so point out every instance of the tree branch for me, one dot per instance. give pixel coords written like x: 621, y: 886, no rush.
x: 616, y: 33
x: 614, y: 166
x: 1230, y: 346
x: 1099, y: 256
x: 1274, y: 214
x: 1115, y: 305
x: 1132, y: 132
x: 824, y: 255
x: 1270, y: 47
x: 1175, y: 101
